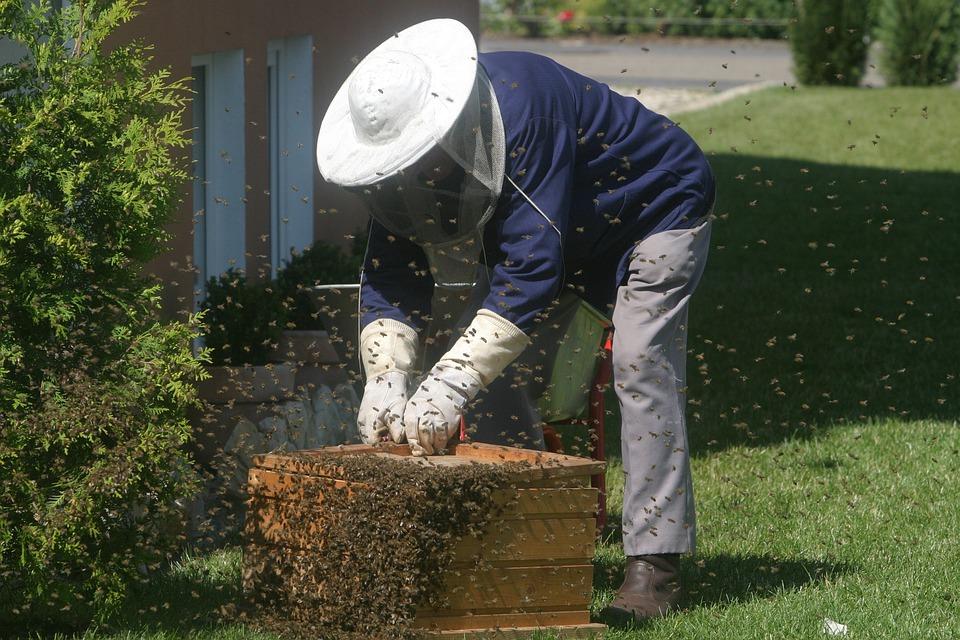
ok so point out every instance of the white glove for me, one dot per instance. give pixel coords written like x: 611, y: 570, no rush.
x: 388, y: 349
x: 381, y: 410
x: 432, y: 415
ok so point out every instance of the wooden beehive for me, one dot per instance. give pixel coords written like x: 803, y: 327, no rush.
x: 537, y: 551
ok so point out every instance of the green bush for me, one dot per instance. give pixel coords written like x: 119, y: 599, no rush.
x: 829, y: 41
x: 93, y: 389
x: 921, y: 41
x: 660, y: 16
x: 746, y: 11
x: 243, y: 319
x: 532, y: 18
x: 322, y: 263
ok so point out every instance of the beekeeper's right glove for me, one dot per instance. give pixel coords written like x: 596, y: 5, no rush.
x: 388, y: 349
x: 432, y: 416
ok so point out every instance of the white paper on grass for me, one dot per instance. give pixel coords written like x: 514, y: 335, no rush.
x: 833, y: 628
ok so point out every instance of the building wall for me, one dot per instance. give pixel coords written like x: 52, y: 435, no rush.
x: 9, y: 52
x: 342, y: 32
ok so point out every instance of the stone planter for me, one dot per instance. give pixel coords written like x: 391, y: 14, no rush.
x: 312, y: 357
x: 319, y: 418
x: 238, y: 401
x: 249, y: 411
x: 305, y: 347
x: 232, y: 394
x: 247, y: 384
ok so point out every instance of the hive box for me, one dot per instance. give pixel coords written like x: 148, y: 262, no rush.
x: 537, y: 551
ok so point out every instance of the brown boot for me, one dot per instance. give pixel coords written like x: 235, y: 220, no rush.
x: 651, y: 588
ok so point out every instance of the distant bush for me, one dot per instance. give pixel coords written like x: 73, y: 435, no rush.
x: 696, y: 17
x: 921, y: 41
x: 666, y: 17
x: 829, y: 41
x: 746, y: 12
x: 532, y: 18
x: 93, y: 387
x: 321, y: 263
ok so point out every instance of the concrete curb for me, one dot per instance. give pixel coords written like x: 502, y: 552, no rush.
x: 672, y: 102
x: 724, y: 96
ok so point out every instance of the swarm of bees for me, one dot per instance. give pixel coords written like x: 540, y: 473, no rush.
x: 356, y: 556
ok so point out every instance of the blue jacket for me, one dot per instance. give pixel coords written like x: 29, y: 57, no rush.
x: 607, y: 171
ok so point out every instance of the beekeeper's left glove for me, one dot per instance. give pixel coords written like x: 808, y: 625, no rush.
x: 432, y: 415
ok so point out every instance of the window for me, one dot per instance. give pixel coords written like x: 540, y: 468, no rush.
x: 290, y: 117
x: 199, y: 179
x: 219, y: 165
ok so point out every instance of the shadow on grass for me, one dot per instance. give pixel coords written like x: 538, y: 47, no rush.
x: 188, y: 598
x: 725, y: 579
x: 823, y: 301
x: 176, y: 603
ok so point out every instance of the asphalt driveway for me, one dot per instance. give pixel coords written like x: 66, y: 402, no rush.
x: 640, y: 62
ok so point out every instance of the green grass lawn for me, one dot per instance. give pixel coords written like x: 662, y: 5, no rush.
x: 823, y: 384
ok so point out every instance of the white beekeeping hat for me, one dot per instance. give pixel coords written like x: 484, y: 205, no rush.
x: 398, y: 102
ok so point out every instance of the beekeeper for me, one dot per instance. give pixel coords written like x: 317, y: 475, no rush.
x: 551, y: 180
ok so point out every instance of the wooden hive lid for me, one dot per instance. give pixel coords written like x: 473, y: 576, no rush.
x: 537, y: 465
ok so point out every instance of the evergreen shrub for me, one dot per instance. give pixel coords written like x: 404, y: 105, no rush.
x: 93, y: 386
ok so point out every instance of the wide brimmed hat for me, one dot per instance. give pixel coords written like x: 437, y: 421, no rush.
x: 397, y: 103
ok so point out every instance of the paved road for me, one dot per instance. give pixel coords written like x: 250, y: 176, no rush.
x: 641, y: 62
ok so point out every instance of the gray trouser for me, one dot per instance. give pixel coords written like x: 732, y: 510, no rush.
x: 649, y: 375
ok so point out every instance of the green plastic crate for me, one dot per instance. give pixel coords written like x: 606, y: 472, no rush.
x: 578, y: 345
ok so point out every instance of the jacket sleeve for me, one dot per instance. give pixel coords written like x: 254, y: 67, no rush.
x: 396, y: 281
x: 531, y: 274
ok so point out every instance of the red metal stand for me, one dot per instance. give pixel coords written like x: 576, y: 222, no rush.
x: 598, y: 422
